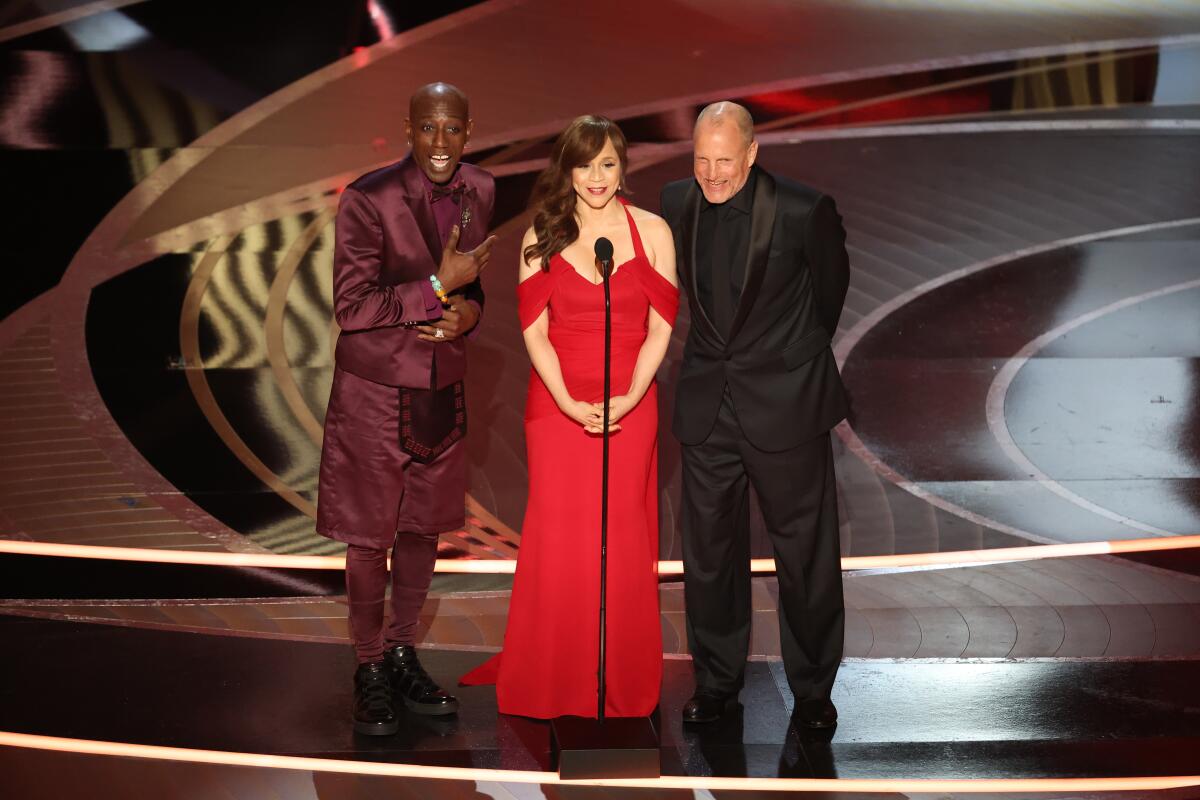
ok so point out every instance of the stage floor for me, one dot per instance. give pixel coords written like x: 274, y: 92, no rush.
x: 1020, y: 342
x: 937, y: 719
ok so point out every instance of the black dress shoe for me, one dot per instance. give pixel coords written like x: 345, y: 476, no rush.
x: 815, y: 714
x: 374, y: 714
x: 412, y: 683
x: 707, y: 705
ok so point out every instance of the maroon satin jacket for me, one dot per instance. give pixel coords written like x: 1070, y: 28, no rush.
x: 385, y: 249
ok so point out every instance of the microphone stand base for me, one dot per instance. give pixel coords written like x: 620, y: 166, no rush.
x: 618, y: 747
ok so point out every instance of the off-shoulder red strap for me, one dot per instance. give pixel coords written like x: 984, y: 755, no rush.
x: 663, y: 296
x: 533, y: 294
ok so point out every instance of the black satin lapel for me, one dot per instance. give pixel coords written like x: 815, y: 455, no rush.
x: 687, y: 234
x: 691, y: 225
x: 762, y: 224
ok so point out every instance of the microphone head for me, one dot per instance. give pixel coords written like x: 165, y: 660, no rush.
x: 604, y: 250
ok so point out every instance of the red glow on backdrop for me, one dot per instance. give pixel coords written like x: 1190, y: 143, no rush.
x: 826, y: 106
x: 797, y: 101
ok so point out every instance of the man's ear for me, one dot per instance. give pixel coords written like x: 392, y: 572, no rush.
x: 753, y: 152
x: 470, y: 127
x: 408, y: 130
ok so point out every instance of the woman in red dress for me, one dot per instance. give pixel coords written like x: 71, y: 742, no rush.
x: 548, y: 666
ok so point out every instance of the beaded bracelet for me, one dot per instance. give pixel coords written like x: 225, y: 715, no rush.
x: 439, y: 290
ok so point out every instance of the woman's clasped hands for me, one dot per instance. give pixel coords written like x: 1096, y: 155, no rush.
x: 591, y: 415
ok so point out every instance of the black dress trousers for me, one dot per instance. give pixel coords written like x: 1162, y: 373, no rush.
x: 797, y: 493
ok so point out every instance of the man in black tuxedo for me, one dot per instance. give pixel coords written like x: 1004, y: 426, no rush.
x: 764, y: 263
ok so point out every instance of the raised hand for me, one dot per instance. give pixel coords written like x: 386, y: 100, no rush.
x: 458, y: 269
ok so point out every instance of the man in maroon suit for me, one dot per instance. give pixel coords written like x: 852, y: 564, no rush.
x: 393, y: 467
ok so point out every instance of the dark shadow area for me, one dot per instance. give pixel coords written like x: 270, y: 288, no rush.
x: 52, y: 577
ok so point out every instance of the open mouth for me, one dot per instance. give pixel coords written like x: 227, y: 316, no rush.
x: 597, y: 191
x: 440, y: 162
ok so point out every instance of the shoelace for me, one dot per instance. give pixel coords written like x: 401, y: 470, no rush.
x: 377, y: 694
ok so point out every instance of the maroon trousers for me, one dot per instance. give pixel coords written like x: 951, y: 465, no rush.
x: 376, y: 499
x: 413, y: 555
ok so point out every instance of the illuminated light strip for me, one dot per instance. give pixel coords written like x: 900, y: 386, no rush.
x: 506, y: 566
x: 682, y: 782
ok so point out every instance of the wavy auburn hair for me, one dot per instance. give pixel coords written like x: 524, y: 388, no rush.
x: 553, y: 199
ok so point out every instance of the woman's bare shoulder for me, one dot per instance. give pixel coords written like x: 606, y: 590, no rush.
x: 642, y: 215
x: 648, y: 222
x: 650, y: 225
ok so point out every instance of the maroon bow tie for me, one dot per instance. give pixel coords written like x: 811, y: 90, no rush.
x: 456, y: 192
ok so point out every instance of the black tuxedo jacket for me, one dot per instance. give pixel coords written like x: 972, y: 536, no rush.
x: 776, y: 359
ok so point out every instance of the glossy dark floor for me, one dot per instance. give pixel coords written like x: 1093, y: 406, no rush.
x: 949, y: 720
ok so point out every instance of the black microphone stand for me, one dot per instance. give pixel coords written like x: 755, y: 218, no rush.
x: 623, y: 747
x: 605, y: 270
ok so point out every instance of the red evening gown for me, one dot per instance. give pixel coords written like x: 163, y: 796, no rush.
x: 548, y: 666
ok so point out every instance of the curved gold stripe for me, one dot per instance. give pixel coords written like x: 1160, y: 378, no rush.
x: 189, y: 341
x: 760, y: 566
x: 681, y: 782
x: 276, y: 305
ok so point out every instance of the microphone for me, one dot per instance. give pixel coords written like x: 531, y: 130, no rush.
x: 604, y: 254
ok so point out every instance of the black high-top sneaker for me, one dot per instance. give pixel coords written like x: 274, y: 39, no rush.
x: 412, y: 684
x: 374, y: 714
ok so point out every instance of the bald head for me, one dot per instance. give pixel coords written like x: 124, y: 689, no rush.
x: 727, y: 113
x: 438, y: 128
x: 441, y: 94
x: 724, y: 150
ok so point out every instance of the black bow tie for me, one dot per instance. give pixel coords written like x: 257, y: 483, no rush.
x: 455, y: 192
